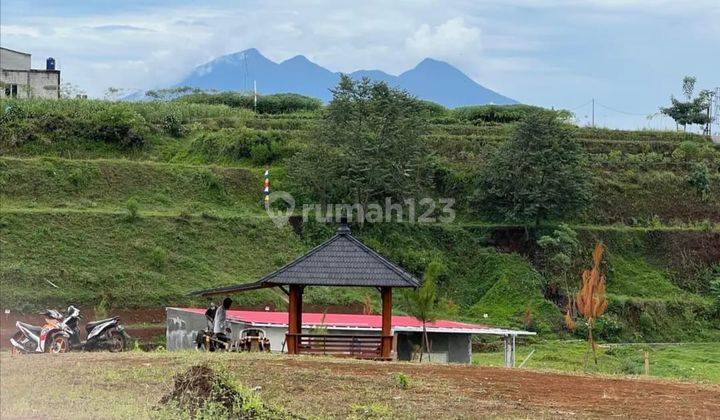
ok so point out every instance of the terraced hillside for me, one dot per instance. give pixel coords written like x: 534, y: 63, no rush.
x: 134, y: 205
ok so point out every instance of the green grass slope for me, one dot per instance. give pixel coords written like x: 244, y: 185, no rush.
x: 67, y: 189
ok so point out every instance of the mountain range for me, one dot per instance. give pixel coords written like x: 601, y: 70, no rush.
x: 431, y: 79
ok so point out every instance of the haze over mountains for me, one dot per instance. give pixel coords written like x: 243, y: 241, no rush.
x: 431, y: 79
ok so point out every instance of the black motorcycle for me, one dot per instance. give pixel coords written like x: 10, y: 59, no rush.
x: 105, y: 334
x: 208, y: 341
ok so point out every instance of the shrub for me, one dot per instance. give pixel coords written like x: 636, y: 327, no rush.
x: 699, y: 179
x: 264, y: 153
x: 133, y: 210
x: 431, y: 109
x: 159, y: 257
x: 173, y: 125
x: 401, y: 380
x: 686, y: 150
x: 102, y: 308
x: 238, y: 144
x: 78, y: 178
x: 501, y: 113
x: 119, y: 124
x: 209, y: 180
x: 206, y: 393
x: 715, y: 290
x: 279, y: 103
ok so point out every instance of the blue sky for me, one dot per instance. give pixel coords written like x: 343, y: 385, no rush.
x: 630, y: 55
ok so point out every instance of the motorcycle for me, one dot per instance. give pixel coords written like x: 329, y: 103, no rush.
x: 104, y: 334
x: 51, y: 337
x: 205, y: 339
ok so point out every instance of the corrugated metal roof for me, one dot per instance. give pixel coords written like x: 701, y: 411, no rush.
x: 361, y: 322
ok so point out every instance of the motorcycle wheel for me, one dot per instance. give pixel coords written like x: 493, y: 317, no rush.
x: 59, y: 344
x: 116, y: 341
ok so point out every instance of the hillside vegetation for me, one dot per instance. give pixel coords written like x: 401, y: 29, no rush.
x: 137, y: 204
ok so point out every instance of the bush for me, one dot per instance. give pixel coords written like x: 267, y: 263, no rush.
x: 205, y: 393
x: 119, y: 125
x: 279, y: 103
x: 401, y: 380
x: 431, y: 109
x: 173, y: 125
x: 264, y: 153
x: 159, y: 257
x: 699, y: 180
x: 238, y: 144
x: 78, y: 178
x: 501, y: 113
x: 133, y: 210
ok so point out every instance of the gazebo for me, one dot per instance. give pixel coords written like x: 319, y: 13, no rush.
x: 341, y: 261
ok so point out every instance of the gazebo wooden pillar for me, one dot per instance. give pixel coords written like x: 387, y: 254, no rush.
x: 386, y: 333
x: 294, y: 317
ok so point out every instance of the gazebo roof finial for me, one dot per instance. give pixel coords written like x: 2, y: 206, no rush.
x: 343, y: 229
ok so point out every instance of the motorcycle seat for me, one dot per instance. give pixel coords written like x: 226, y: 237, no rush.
x: 90, y: 325
x: 32, y: 328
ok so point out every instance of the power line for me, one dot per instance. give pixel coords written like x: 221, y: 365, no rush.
x: 578, y: 107
x: 609, y: 108
x: 622, y: 112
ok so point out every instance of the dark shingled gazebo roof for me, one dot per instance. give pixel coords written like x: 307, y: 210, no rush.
x: 340, y: 261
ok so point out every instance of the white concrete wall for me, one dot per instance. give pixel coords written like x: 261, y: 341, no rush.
x: 31, y: 84
x: 13, y: 60
x: 182, y: 328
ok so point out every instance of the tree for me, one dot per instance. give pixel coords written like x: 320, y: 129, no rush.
x: 366, y: 148
x: 538, y: 174
x: 591, y: 301
x: 691, y: 110
x: 560, y: 260
x: 422, y: 302
x: 699, y: 179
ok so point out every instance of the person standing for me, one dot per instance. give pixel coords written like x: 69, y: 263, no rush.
x: 220, y: 324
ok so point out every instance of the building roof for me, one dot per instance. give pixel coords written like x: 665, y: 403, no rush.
x: 15, y: 51
x: 360, y: 322
x: 340, y: 261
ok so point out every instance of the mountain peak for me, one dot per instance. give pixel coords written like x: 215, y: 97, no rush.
x: 431, y: 79
x: 431, y: 63
x: 250, y: 51
x: 298, y: 59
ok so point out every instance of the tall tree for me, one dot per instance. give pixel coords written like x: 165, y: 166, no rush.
x: 591, y: 300
x: 540, y: 173
x: 560, y: 263
x: 693, y: 110
x: 422, y: 303
x: 366, y: 148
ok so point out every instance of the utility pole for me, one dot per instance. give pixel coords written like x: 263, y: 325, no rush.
x: 255, y: 95
x: 593, y: 112
x: 715, y: 106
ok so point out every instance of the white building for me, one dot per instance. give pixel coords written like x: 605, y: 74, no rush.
x: 19, y: 80
x: 450, y: 341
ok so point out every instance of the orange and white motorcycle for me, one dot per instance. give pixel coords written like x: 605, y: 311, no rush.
x: 52, y: 337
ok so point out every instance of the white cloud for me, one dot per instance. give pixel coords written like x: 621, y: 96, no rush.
x: 19, y: 31
x: 548, y: 52
x: 451, y: 39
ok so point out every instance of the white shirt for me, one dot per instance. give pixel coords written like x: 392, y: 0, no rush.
x: 220, y: 321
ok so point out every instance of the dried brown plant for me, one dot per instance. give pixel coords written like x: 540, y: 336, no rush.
x: 591, y: 300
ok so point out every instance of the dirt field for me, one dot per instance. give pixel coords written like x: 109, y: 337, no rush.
x: 103, y: 385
